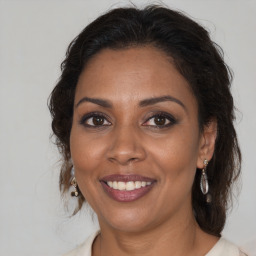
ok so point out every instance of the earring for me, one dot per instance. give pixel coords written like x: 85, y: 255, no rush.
x: 204, y: 180
x: 74, y: 183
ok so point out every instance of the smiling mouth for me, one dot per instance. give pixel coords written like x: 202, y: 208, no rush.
x: 126, y: 188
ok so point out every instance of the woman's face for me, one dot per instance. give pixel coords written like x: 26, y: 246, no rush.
x: 135, y: 140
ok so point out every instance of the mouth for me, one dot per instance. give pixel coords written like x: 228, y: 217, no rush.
x: 126, y: 188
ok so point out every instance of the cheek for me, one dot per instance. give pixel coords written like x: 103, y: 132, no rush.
x: 176, y: 158
x: 86, y: 149
x: 87, y: 155
x: 176, y: 155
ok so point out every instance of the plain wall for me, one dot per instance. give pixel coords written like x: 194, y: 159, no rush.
x: 34, y: 36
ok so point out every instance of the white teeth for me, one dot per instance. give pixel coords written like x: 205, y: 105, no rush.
x: 128, y: 186
x: 121, y: 185
x: 115, y: 185
x: 110, y: 184
x: 137, y: 184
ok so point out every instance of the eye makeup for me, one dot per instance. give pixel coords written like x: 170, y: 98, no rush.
x: 95, y: 120
x: 157, y: 120
x: 160, y: 120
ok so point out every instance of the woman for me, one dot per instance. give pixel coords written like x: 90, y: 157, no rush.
x: 143, y: 117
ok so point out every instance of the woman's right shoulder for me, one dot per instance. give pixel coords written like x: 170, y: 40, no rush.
x: 242, y: 253
x: 85, y: 248
x: 225, y: 247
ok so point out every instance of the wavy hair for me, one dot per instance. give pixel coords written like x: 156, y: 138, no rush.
x: 199, y: 60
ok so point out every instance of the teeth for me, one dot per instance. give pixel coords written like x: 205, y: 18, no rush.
x: 110, y: 184
x: 114, y: 185
x: 128, y: 186
x: 121, y: 185
x: 137, y: 184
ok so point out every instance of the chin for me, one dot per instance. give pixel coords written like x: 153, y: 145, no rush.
x: 128, y: 220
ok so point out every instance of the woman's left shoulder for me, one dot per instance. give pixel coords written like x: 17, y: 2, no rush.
x: 225, y: 247
x: 85, y: 248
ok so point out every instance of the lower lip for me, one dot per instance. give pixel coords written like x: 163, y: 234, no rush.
x: 124, y: 195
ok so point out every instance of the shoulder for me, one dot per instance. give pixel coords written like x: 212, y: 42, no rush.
x: 225, y: 247
x: 85, y: 248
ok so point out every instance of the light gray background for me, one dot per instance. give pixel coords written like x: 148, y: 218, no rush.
x: 33, y: 38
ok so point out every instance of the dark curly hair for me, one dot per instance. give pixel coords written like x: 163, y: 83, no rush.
x: 196, y: 57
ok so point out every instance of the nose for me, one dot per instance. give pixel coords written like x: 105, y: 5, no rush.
x: 126, y: 146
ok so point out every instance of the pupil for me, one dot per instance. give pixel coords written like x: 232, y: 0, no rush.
x: 159, y: 120
x: 98, y: 120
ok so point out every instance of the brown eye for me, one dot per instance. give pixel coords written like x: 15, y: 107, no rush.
x: 98, y: 120
x: 95, y: 120
x: 160, y: 120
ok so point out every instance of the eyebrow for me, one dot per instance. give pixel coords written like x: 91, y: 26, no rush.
x: 100, y: 102
x: 143, y: 103
x: 156, y: 100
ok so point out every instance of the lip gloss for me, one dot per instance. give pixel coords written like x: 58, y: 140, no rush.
x: 126, y: 195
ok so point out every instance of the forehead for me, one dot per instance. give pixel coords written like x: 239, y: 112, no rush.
x: 132, y: 74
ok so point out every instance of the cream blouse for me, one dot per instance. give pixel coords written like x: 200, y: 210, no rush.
x: 221, y: 248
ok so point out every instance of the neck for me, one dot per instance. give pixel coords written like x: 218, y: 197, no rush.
x: 173, y: 236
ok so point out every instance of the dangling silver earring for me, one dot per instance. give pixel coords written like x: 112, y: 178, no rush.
x: 204, y: 180
x: 74, y: 183
x: 204, y: 185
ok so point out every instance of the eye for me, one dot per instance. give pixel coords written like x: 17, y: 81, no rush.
x: 160, y: 120
x: 94, y: 120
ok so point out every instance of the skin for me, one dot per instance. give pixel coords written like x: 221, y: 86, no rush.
x: 129, y: 142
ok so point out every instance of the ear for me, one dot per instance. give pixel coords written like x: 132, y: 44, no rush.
x: 207, y: 142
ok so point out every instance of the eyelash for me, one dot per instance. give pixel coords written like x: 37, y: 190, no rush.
x: 91, y: 115
x: 165, y: 115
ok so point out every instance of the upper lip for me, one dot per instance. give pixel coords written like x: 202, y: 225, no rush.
x: 126, y: 178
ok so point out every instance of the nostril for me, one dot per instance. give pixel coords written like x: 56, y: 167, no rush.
x: 112, y: 159
x: 132, y: 159
x: 124, y: 151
